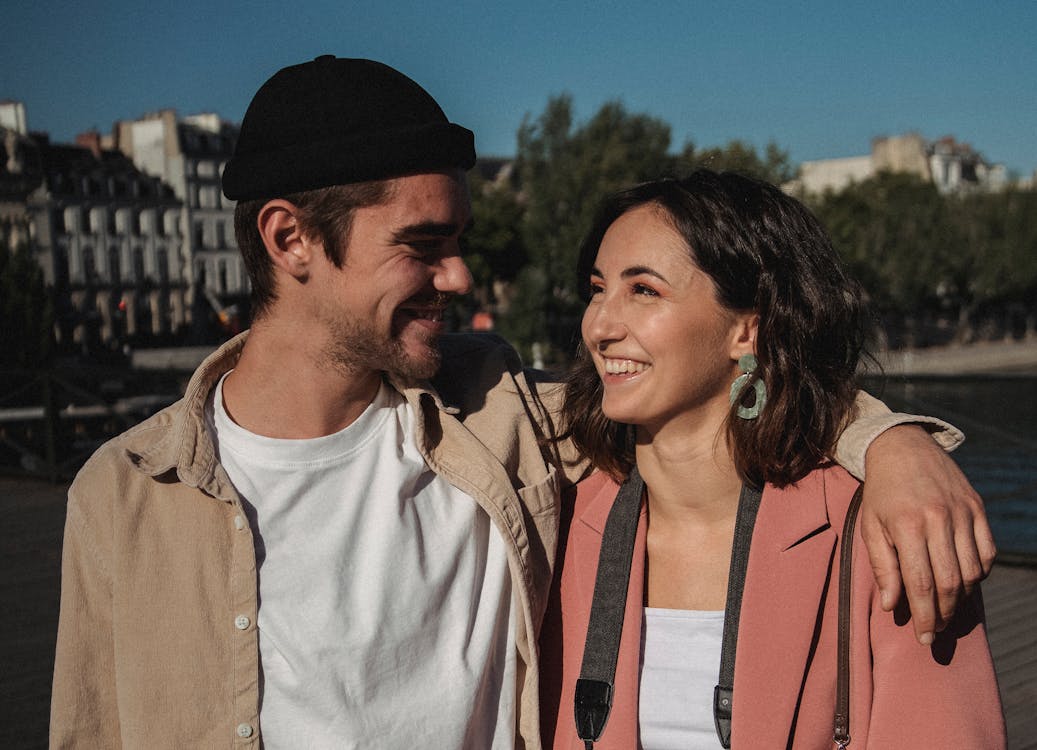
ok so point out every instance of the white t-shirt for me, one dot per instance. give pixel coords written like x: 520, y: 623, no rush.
x: 680, y: 665
x: 385, y: 603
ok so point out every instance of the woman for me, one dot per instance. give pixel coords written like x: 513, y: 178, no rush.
x: 721, y: 340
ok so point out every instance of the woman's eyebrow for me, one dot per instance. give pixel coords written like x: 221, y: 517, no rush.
x: 631, y: 272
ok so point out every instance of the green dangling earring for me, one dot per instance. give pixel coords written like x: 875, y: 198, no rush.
x: 747, y: 364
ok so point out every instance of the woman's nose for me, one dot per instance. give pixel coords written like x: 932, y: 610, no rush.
x: 602, y: 323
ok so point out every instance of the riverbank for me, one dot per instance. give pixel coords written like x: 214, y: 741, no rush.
x: 1012, y: 357
x: 984, y: 358
x: 33, y: 515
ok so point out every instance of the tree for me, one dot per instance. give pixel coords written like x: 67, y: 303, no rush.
x: 1002, y: 235
x: 26, y: 331
x: 737, y: 156
x: 493, y: 248
x: 894, y: 233
x: 563, y: 173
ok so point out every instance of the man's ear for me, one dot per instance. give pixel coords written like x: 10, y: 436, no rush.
x: 743, y: 340
x: 289, y: 248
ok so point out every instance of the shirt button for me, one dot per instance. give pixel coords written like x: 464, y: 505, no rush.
x: 239, y: 523
x: 241, y: 623
x: 244, y: 730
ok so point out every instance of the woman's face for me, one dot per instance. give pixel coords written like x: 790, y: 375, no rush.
x: 663, y: 345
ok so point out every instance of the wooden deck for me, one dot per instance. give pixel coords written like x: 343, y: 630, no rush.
x: 32, y: 515
x: 1010, y: 596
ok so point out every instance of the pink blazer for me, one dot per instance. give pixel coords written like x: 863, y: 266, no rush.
x: 903, y: 695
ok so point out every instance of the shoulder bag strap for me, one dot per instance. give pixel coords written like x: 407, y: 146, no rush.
x: 841, y: 734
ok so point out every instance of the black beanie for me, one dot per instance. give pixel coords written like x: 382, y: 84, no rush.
x: 335, y: 121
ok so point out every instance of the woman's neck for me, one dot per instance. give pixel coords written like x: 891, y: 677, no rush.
x: 693, y: 489
x: 689, y: 471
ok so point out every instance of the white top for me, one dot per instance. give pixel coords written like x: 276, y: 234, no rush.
x: 385, y: 608
x: 680, y: 665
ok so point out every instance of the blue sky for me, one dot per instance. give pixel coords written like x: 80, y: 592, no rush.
x: 818, y: 80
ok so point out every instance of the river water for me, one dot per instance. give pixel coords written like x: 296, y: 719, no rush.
x: 999, y: 456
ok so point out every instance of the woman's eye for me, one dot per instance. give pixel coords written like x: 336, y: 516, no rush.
x: 645, y: 290
x: 593, y: 288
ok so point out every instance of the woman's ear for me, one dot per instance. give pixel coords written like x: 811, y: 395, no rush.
x: 289, y: 248
x: 743, y: 340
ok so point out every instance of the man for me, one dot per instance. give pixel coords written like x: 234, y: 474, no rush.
x: 319, y: 546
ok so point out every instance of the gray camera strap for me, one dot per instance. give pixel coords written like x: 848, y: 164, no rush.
x: 594, y: 688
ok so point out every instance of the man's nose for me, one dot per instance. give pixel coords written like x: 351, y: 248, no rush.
x: 453, y: 276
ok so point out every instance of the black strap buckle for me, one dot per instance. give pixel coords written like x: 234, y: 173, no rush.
x: 593, y: 704
x: 722, y: 697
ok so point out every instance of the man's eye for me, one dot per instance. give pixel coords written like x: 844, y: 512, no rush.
x: 427, y: 249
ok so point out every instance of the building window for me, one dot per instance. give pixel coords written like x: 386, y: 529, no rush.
x: 162, y: 259
x: 89, y: 266
x: 209, y: 197
x: 172, y: 223
x: 138, y: 265
x: 221, y: 235
x: 61, y: 270
x: 114, y: 265
x: 199, y: 235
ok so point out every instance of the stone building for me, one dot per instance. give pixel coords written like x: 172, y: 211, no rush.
x: 20, y: 175
x: 189, y: 154
x: 108, y: 239
x: 951, y: 166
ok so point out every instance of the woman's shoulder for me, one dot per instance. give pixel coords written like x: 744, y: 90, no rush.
x: 594, y: 484
x: 589, y: 500
x: 822, y: 497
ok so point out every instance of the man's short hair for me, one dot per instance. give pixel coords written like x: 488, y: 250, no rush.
x: 324, y: 213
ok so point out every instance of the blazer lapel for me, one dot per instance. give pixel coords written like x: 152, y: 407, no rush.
x: 789, y: 563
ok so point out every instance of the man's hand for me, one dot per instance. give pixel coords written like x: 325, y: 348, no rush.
x: 924, y: 526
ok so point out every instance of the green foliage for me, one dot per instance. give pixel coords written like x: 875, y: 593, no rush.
x: 526, y: 319
x: 919, y: 253
x: 1002, y: 231
x: 493, y: 248
x: 737, y: 156
x: 564, y: 172
x: 894, y: 234
x: 26, y: 311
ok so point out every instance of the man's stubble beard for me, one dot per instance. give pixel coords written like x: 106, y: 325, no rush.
x: 355, y: 348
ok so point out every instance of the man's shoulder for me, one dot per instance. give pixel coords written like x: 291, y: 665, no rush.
x: 459, y: 347
x: 465, y: 353
x: 122, y: 455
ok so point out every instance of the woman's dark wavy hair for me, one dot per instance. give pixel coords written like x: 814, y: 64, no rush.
x: 766, y: 252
